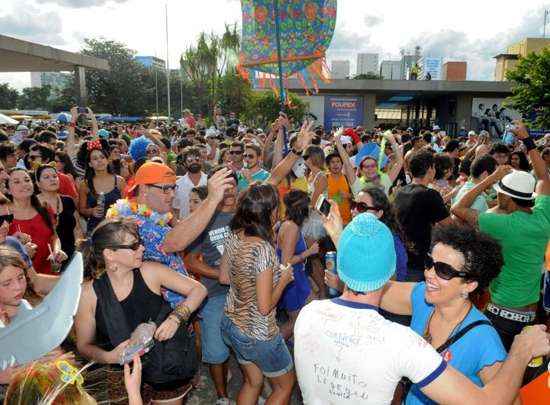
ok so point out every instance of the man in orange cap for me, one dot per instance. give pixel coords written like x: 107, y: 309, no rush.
x: 151, y: 205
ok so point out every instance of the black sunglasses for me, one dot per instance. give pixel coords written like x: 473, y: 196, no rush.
x: 444, y: 270
x: 132, y: 246
x: 235, y: 152
x: 165, y: 188
x: 6, y: 218
x: 249, y: 156
x: 34, y: 157
x: 362, y: 207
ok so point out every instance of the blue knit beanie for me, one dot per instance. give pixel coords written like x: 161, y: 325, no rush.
x: 138, y: 147
x: 366, y: 254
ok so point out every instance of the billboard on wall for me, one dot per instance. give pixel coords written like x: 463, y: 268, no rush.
x: 491, y: 115
x: 343, y: 111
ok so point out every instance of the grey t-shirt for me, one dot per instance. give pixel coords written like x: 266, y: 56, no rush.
x: 210, y: 244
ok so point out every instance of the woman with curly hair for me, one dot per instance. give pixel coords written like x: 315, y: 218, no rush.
x: 463, y: 263
x: 100, y: 188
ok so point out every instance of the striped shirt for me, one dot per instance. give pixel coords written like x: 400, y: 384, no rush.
x: 247, y: 259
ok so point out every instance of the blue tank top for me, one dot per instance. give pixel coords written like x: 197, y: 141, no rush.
x: 110, y: 198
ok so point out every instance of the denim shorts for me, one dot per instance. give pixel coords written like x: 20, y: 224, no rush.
x: 214, y: 350
x: 271, y: 356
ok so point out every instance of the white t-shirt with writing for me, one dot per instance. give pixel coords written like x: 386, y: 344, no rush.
x: 347, y: 353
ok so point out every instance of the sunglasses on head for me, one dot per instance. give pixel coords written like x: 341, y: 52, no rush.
x: 165, y: 188
x: 362, y: 207
x: 131, y: 246
x: 8, y: 218
x: 444, y: 270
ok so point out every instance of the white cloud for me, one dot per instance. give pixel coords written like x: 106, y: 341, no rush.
x: 33, y: 24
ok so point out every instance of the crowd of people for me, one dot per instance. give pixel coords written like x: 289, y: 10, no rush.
x: 417, y: 284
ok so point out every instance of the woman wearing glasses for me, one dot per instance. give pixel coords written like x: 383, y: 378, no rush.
x: 368, y: 172
x: 374, y: 200
x: 100, y: 188
x: 464, y: 262
x: 113, y: 258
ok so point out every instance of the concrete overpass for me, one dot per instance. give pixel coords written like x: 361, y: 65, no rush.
x: 17, y: 55
x: 448, y: 103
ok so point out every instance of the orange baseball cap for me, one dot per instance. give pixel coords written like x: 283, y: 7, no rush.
x: 153, y: 173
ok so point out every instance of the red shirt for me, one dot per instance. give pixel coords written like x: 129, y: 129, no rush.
x: 41, y: 236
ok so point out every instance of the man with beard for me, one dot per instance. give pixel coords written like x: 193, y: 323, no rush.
x: 204, y: 260
x: 252, y: 170
x: 195, y: 177
x: 151, y: 208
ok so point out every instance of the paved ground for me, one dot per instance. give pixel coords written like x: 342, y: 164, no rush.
x: 205, y: 393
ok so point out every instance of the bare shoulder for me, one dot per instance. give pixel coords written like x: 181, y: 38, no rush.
x: 288, y: 226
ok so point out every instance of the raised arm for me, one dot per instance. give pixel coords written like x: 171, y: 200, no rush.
x: 285, y: 166
x: 461, y: 208
x: 398, y: 156
x: 349, y: 172
x: 189, y: 228
x: 539, y: 165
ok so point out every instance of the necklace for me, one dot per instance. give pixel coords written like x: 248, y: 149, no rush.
x: 125, y: 208
x: 428, y: 336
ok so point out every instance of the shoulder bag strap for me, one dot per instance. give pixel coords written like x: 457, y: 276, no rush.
x: 461, y: 333
x: 111, y: 311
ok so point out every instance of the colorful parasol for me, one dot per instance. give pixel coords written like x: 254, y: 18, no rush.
x: 286, y: 38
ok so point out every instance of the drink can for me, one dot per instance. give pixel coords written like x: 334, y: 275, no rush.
x: 330, y: 263
x: 536, y: 361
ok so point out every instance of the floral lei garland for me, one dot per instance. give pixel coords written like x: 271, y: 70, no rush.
x: 127, y: 207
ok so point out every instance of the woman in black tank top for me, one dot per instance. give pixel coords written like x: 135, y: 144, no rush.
x: 113, y: 258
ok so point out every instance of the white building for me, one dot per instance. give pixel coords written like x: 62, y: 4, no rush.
x: 430, y: 65
x: 367, y: 63
x: 56, y: 80
x: 390, y: 69
x: 340, y: 69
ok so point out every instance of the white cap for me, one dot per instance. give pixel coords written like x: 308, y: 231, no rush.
x: 472, y: 133
x: 436, y: 128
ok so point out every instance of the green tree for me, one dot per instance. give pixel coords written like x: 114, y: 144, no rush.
x: 206, y: 65
x: 121, y: 89
x: 531, y: 88
x: 368, y: 76
x: 35, y: 98
x: 8, y: 96
x: 262, y: 108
